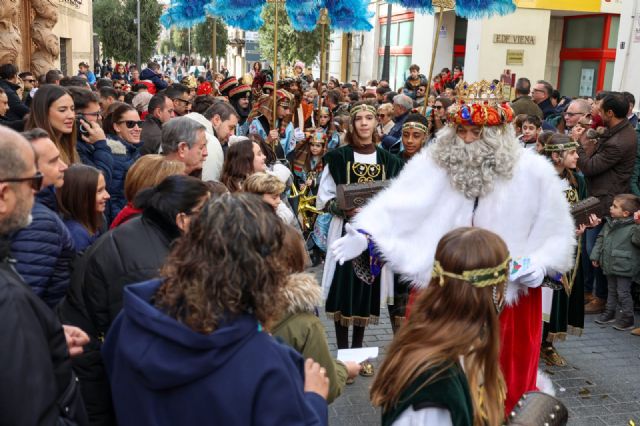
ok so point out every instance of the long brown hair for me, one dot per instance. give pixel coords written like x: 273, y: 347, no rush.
x: 560, y: 139
x: 351, y: 136
x: 77, y: 197
x: 448, y: 322
x: 238, y: 165
x: 229, y: 263
x: 113, y: 115
x: 39, y: 117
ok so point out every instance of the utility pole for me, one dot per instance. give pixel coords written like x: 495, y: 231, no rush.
x: 189, y: 61
x: 387, y: 48
x: 214, y: 42
x: 138, y: 64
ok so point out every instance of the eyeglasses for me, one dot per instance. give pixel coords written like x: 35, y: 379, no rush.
x: 438, y: 106
x: 573, y: 113
x: 35, y: 180
x: 539, y: 90
x: 382, y: 115
x: 186, y: 102
x: 93, y: 114
x: 132, y: 123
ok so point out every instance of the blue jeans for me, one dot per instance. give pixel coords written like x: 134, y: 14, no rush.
x: 591, y: 274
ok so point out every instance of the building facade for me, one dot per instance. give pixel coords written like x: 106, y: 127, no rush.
x: 570, y: 43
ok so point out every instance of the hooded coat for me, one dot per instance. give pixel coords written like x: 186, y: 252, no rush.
x: 300, y: 328
x: 164, y: 373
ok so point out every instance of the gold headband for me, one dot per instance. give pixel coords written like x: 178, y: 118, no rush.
x: 476, y: 277
x: 415, y: 125
x: 559, y: 147
x: 363, y: 107
x: 324, y: 111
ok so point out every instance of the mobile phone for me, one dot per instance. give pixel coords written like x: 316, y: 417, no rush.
x: 81, y: 127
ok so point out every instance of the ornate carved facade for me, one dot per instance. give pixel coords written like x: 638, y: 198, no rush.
x: 32, y: 32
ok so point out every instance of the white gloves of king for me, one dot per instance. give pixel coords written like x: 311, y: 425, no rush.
x: 353, y: 243
x: 349, y: 246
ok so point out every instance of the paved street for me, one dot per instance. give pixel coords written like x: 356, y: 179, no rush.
x: 601, y: 384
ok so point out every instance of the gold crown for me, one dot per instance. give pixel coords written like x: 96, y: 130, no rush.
x: 481, y: 91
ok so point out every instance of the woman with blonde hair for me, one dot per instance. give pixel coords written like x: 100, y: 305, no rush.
x: 442, y: 367
x: 145, y: 173
x: 385, y: 119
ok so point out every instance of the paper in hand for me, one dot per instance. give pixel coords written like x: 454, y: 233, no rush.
x: 357, y: 355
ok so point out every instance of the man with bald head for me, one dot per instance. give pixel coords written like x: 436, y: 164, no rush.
x: 36, y: 382
x: 577, y: 110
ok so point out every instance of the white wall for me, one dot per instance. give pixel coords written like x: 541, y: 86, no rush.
x: 627, y: 65
x: 335, y: 54
x: 533, y: 22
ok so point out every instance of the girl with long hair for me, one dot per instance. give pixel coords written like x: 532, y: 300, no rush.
x: 442, y: 367
x: 82, y: 201
x: 328, y: 127
x: 567, y: 304
x: 52, y: 109
x: 244, y: 158
x: 123, y: 126
x: 350, y: 301
x: 193, y: 341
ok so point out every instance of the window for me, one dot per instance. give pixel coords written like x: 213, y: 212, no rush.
x: 401, y: 44
x: 588, y: 53
x: 584, y: 33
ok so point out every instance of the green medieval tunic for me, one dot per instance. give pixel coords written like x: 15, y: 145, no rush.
x: 450, y: 390
x: 350, y: 300
x: 567, y: 310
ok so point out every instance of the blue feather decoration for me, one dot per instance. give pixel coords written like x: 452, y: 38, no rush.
x: 470, y: 9
x: 349, y: 15
x: 184, y: 13
x: 304, y: 14
x: 477, y: 9
x: 243, y: 14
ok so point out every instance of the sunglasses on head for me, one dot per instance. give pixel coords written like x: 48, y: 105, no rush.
x: 35, y: 181
x: 132, y: 123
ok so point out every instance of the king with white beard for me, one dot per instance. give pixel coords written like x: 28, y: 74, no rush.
x: 476, y: 174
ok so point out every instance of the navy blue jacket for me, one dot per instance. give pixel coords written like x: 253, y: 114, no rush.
x: 124, y: 155
x: 392, y: 141
x: 97, y: 155
x: 164, y: 373
x: 44, y: 250
x: 148, y: 74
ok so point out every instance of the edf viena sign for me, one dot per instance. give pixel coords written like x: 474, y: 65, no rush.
x: 514, y: 39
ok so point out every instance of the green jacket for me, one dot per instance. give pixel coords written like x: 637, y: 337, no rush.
x: 301, y: 329
x: 618, y: 248
x: 635, y: 177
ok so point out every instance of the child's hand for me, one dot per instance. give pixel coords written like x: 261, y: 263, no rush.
x: 594, y: 221
x: 595, y: 263
x: 636, y: 217
x: 580, y: 230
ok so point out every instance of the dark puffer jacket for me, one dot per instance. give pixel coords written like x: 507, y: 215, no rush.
x: 44, y: 250
x: 36, y: 366
x: 124, y: 155
x: 97, y: 155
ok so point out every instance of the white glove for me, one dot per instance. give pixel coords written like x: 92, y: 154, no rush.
x: 532, y: 277
x: 350, y: 246
x: 298, y: 134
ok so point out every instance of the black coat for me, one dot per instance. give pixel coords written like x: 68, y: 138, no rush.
x: 17, y: 110
x: 36, y: 368
x: 131, y: 253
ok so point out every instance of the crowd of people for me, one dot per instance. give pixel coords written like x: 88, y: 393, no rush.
x: 166, y: 225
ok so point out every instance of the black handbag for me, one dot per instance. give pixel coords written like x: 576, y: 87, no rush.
x: 538, y: 409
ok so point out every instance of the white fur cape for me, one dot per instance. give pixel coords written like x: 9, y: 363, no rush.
x: 529, y: 212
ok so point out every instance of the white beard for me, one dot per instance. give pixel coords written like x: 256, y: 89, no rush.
x: 473, y: 167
